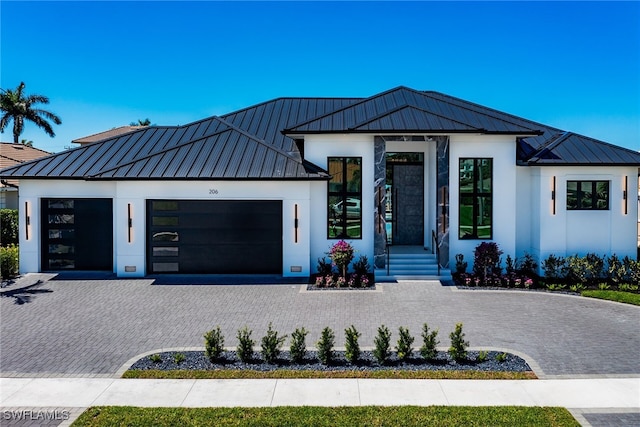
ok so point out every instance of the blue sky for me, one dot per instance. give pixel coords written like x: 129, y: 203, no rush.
x: 574, y: 65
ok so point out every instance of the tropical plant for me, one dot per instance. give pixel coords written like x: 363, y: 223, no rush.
x: 9, y: 229
x: 461, y: 264
x: 486, y: 259
x: 145, y: 122
x: 17, y: 106
x: 554, y: 267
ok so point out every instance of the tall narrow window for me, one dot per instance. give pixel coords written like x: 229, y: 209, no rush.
x: 587, y: 195
x: 344, y: 198
x: 476, y: 205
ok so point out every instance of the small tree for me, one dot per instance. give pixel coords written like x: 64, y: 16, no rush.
x: 405, y: 341
x: 486, y: 259
x: 382, y: 341
x: 245, y: 345
x: 430, y: 342
x: 271, y: 344
x: 341, y: 255
x: 298, y: 347
x: 458, y: 349
x: 214, y: 344
x: 352, y: 353
x: 325, y: 346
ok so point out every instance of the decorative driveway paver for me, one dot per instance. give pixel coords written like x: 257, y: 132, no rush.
x: 92, y: 327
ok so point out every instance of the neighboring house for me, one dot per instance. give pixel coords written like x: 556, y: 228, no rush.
x: 107, y: 134
x: 269, y: 188
x: 10, y: 155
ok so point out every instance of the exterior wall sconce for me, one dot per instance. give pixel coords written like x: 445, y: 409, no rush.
x: 129, y: 221
x: 27, y: 220
x: 625, y: 193
x: 295, y: 223
x: 553, y: 197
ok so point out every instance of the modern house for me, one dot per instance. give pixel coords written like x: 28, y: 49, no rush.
x: 268, y: 189
x: 10, y: 155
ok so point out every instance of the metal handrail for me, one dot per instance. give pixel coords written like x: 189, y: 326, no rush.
x: 435, y: 246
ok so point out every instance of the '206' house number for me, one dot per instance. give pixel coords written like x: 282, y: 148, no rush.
x: 213, y: 191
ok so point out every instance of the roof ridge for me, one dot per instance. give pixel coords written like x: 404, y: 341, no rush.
x: 554, y: 141
x: 362, y: 100
x: 283, y: 98
x: 425, y: 93
x: 463, y: 101
x: 137, y: 128
x: 163, y: 151
x: 420, y: 109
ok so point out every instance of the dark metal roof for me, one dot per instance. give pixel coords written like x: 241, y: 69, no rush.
x: 251, y: 143
x: 208, y: 149
x: 572, y: 149
x: 407, y: 110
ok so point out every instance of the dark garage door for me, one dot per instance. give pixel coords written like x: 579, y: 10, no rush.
x: 77, y: 234
x: 214, y: 236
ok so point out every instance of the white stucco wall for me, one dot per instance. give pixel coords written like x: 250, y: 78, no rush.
x: 135, y: 193
x: 571, y: 232
x: 317, y: 149
x: 502, y: 149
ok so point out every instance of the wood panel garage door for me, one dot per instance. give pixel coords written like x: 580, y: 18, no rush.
x: 214, y: 236
x: 77, y: 234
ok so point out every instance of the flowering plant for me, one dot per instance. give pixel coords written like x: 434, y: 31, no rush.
x: 341, y: 282
x: 341, y: 254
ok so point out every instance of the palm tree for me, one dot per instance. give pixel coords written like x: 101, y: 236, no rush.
x: 17, y: 106
x: 145, y: 122
x: 26, y: 142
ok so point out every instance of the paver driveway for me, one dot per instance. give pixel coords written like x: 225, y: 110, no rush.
x: 88, y: 327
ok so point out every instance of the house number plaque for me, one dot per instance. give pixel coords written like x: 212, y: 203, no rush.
x: 213, y: 191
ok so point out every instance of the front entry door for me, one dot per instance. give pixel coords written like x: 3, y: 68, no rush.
x: 406, y: 185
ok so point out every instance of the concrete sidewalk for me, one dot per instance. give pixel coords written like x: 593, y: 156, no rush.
x: 606, y: 394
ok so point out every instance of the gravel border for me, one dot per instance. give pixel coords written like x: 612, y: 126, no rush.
x: 197, y: 360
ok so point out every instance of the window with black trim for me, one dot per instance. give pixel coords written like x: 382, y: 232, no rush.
x: 587, y: 195
x: 476, y: 199
x: 344, y: 198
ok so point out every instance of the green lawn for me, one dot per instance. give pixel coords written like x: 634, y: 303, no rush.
x: 291, y: 373
x: 619, y: 296
x: 441, y: 416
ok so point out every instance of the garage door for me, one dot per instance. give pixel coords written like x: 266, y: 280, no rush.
x: 214, y: 237
x: 77, y: 234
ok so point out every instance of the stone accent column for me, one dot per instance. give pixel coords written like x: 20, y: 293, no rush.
x: 379, y: 202
x: 442, y: 152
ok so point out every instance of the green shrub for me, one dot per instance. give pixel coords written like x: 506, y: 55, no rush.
x: 554, y: 267
x: 382, y: 343
x: 486, y: 259
x: 482, y: 356
x: 604, y: 286
x: 461, y: 264
x: 352, y: 353
x: 625, y: 287
x: 458, y: 349
x: 324, y: 267
x: 577, y: 269
x: 9, y: 227
x: 501, y: 357
x: 615, y: 269
x: 245, y: 345
x: 214, y: 344
x: 155, y: 358
x: 362, y: 266
x: 429, y: 343
x: 405, y: 341
x: 632, y: 268
x: 298, y: 346
x: 9, y: 261
x: 271, y: 345
x: 325, y: 346
x: 575, y: 288
x: 178, y: 358
x: 527, y: 265
x: 560, y: 287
